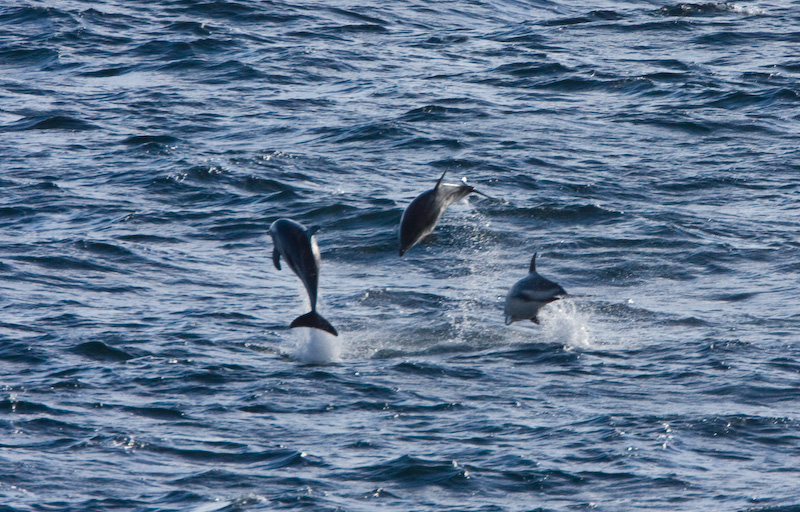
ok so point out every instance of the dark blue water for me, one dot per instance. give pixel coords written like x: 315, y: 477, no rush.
x: 648, y: 151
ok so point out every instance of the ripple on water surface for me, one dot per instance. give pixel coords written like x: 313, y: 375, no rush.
x: 148, y: 362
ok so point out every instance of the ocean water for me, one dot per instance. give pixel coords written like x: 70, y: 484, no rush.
x: 646, y: 150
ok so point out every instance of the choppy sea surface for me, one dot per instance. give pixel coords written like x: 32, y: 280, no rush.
x: 647, y: 151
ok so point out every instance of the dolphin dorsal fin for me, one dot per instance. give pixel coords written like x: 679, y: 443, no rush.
x: 439, y: 183
x: 533, y: 264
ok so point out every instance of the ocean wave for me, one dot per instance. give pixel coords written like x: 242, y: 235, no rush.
x: 414, y: 471
x: 648, y: 148
x: 593, y: 16
x: 51, y: 122
x: 99, y: 351
x: 706, y: 9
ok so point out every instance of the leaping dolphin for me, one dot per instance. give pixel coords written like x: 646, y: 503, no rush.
x: 421, y: 215
x: 529, y: 295
x: 300, y: 251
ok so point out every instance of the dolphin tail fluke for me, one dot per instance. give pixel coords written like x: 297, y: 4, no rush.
x: 315, y: 321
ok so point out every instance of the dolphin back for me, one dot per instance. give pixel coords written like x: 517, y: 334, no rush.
x: 314, y: 320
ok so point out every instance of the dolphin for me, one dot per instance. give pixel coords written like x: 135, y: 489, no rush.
x: 529, y: 295
x: 300, y: 251
x: 422, y: 214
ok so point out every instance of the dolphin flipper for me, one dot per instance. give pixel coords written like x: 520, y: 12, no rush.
x: 315, y: 321
x: 276, y: 258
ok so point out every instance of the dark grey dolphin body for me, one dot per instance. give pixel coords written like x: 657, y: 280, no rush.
x: 300, y: 251
x: 529, y: 295
x: 420, y: 217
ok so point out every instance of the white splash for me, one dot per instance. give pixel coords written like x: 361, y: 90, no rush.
x: 315, y: 347
x: 748, y: 10
x: 562, y: 322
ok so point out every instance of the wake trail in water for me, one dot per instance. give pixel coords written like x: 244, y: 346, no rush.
x: 480, y: 296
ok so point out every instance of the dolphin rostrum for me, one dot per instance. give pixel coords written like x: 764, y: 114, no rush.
x: 300, y: 251
x: 421, y: 216
x: 529, y: 295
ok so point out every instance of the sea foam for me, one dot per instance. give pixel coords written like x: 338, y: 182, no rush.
x: 564, y: 322
x: 315, y: 347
